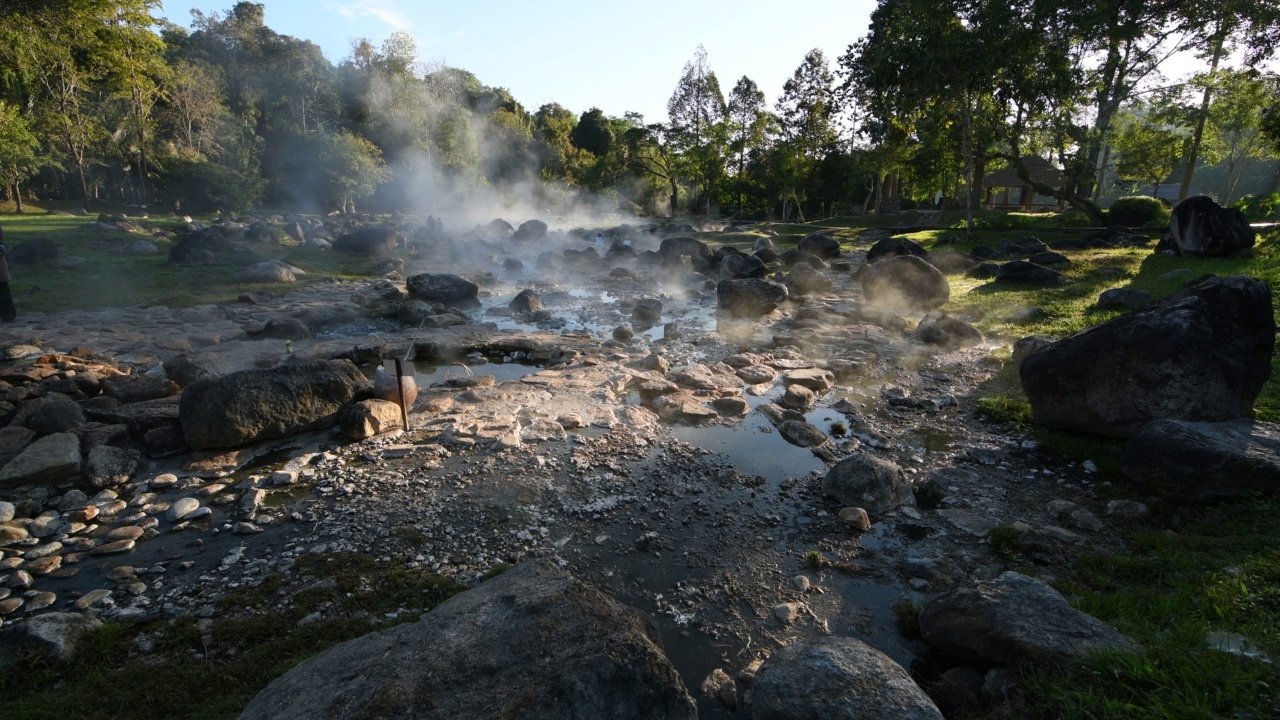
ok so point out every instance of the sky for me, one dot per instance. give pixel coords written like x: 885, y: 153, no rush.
x: 618, y: 57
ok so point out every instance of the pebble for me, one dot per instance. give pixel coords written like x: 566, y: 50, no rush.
x: 44, y: 566
x: 167, y: 480
x: 800, y: 582
x: 121, y: 572
x: 113, y: 548
x: 92, y: 598
x: 182, y: 508
x: 856, y: 517
x: 127, y: 532
x: 46, y: 524
x: 10, y: 605
x: 41, y: 601
x: 7, y: 511
x: 42, y: 551
x: 21, y: 579
x: 13, y: 533
x: 787, y: 613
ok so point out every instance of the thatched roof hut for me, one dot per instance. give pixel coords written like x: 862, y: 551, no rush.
x: 1006, y: 191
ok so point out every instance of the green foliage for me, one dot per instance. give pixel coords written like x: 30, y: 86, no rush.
x: 1004, y: 540
x: 1006, y: 408
x: 1259, y: 207
x: 202, y: 187
x: 838, y: 428
x: 592, y: 133
x: 906, y: 617
x: 1137, y: 211
x: 814, y: 560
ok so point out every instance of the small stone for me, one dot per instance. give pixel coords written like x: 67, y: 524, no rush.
x: 7, y: 511
x: 246, y: 528
x: 856, y: 517
x: 1126, y: 508
x: 121, y: 572
x: 167, y: 480
x: 800, y: 582
x: 113, y: 548
x: 21, y: 579
x: 41, y: 601
x: 42, y: 551
x: 284, y: 477
x: 10, y: 605
x: 182, y: 508
x: 84, y: 514
x: 93, y: 598
x: 127, y: 532
x: 787, y: 613
x: 44, y: 566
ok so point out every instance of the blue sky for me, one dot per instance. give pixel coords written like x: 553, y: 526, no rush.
x: 615, y: 56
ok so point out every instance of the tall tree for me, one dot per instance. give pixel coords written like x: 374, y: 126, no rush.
x: 18, y: 146
x: 748, y: 124
x: 696, y: 113
x: 593, y: 133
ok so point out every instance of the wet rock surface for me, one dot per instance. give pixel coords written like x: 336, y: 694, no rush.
x: 664, y: 472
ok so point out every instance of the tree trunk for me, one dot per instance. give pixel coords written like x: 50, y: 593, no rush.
x: 675, y: 196
x: 84, y: 186
x: 1102, y: 172
x: 1193, y: 153
x: 17, y: 196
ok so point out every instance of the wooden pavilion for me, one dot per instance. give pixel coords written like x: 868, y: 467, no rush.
x: 1005, y: 191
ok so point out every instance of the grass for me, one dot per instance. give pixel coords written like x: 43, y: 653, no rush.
x: 109, y: 279
x: 185, y: 678
x: 1219, y: 572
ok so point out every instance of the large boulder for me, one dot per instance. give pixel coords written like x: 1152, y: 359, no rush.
x: 33, y: 251
x: 749, y: 297
x: 1195, y: 462
x: 904, y: 282
x: 526, y: 301
x: 258, y: 404
x: 139, y: 388
x: 50, y: 413
x: 533, y: 643
x: 530, y: 230
x: 1202, y: 354
x: 1014, y: 620
x: 893, y: 247
x: 1200, y: 227
x: 868, y: 482
x: 52, y: 457
x: 741, y: 265
x: 56, y: 634
x: 674, y: 248
x: 1022, y: 272
x: 836, y: 678
x: 804, y: 280
x: 820, y: 244
x: 368, y: 418
x: 442, y: 288
x: 374, y: 242
x: 271, y: 271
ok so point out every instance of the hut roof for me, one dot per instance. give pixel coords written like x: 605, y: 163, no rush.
x: 1038, y: 168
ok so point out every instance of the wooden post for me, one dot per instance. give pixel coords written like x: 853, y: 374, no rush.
x: 404, y: 411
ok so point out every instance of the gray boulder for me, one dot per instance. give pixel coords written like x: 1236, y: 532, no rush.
x: 1200, y: 227
x: 526, y: 301
x: 267, y: 272
x: 1021, y: 272
x: 286, y: 328
x: 904, y: 282
x: 108, y: 466
x: 1123, y: 299
x: 139, y: 388
x: 533, y: 643
x: 1014, y: 620
x: 804, y: 280
x: 893, y: 247
x: 443, y: 288
x: 672, y: 249
x: 947, y: 331
x: 55, y: 633
x: 373, y: 241
x: 739, y: 265
x: 50, y: 413
x: 647, y: 311
x: 1202, y: 354
x: 257, y: 404
x: 52, y: 457
x: 367, y: 418
x: 140, y: 248
x: 820, y: 244
x: 33, y: 252
x: 530, y: 230
x: 749, y: 297
x: 836, y: 678
x: 868, y: 482
x: 1196, y: 462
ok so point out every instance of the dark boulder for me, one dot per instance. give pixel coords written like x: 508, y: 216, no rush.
x: 1123, y: 299
x: 1023, y: 247
x: 533, y: 643
x: 647, y: 311
x: 33, y: 252
x: 674, y: 248
x: 374, y: 242
x: 1014, y: 620
x: 820, y: 245
x: 740, y: 265
x: 767, y: 256
x: 286, y: 328
x: 191, y: 250
x: 530, y: 230
x: 893, y: 247
x: 947, y: 331
x: 139, y: 388
x: 1200, y: 227
x: 1051, y: 259
x: 254, y: 405
x: 49, y: 414
x: 904, y: 282
x: 526, y: 301
x: 803, y: 280
x: 1202, y: 354
x: 868, y: 482
x: 836, y: 678
x: 500, y: 227
x: 1197, y: 462
x: 1021, y: 272
x: 750, y: 297
x: 442, y: 288
x: 262, y: 234
x: 620, y: 253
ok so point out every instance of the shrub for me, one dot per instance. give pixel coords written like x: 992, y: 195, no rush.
x: 1138, y: 211
x: 1259, y: 207
x: 206, y: 187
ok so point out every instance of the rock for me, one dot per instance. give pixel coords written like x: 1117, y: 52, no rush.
x: 1050, y: 259
x: 1024, y: 347
x: 403, y: 391
x: 266, y: 272
x: 757, y: 374
x: 52, y: 457
x: 1200, y: 227
x: 140, y: 248
x: 286, y: 328
x: 7, y: 511
x: 255, y: 404
x: 893, y: 247
x: 952, y: 262
x: 1023, y: 247
x: 533, y: 643
x: 1021, y: 272
x: 527, y: 301
x: 500, y: 227
x: 656, y: 363
x: 108, y: 466
x: 856, y: 517
x: 820, y: 245
x: 54, y: 633
x: 543, y: 430
x: 12, y: 441
x: 1123, y: 299
x: 802, y: 434
x: 182, y: 508
x: 788, y: 613
x: 647, y: 311
x: 374, y: 242
x: 50, y: 413
x: 1199, y: 462
x: 1014, y: 620
x: 623, y: 334
x: 719, y: 685
x: 749, y: 297
x: 804, y: 280
x: 530, y: 230
x: 33, y: 252
x: 442, y: 288
x: 672, y: 249
x: 947, y: 331
x: 295, y: 232
x: 798, y: 397
x: 794, y: 257
x: 732, y: 406
x: 866, y: 481
x: 904, y: 282
x: 836, y: 678
x: 1202, y: 354
x: 187, y: 368
x: 367, y: 418
x: 130, y: 389
x: 740, y: 265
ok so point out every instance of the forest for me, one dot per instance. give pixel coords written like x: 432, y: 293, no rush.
x: 103, y: 103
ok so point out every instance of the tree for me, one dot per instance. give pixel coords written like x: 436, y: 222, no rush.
x: 592, y: 133
x: 135, y: 66
x: 18, y: 146
x: 1233, y: 128
x: 748, y: 126
x: 646, y: 151
x: 696, y: 113
x: 350, y: 168
x: 1147, y: 150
